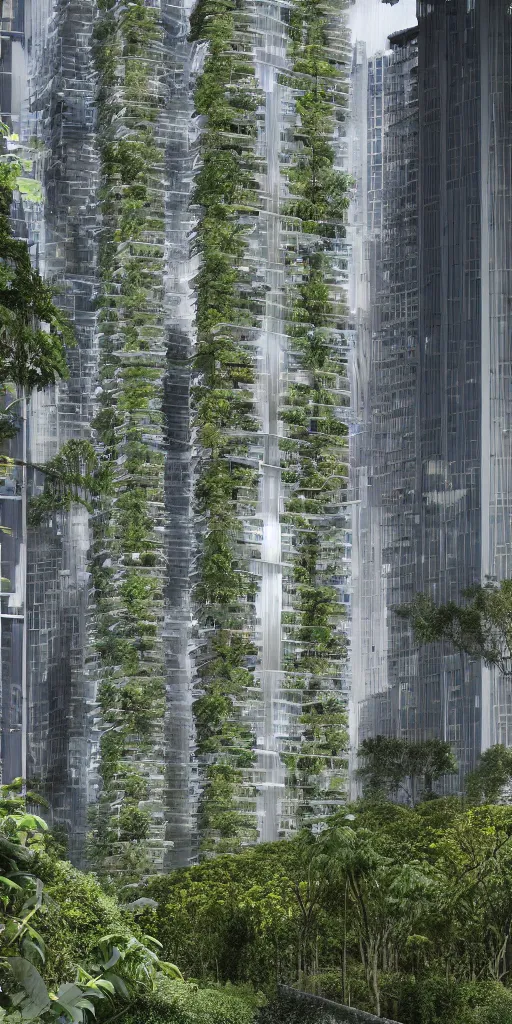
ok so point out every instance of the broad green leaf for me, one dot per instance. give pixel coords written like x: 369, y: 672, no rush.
x: 113, y: 959
x: 35, y: 936
x: 32, y: 949
x: 120, y: 986
x: 69, y: 997
x: 105, y: 985
x: 32, y: 822
x: 86, y: 1004
x: 36, y: 999
x: 170, y: 970
x: 9, y: 883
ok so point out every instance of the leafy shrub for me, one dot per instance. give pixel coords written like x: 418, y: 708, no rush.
x: 494, y: 1006
x: 436, y: 1000
x: 76, y: 914
x: 182, y: 1003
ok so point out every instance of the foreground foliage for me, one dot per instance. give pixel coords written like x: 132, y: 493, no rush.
x: 402, y: 911
x: 173, y: 1003
x: 65, y: 949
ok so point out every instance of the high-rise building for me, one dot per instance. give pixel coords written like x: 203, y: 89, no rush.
x: 437, y: 404
x: 465, y: 360
x: 384, y: 396
x: 164, y: 658
x: 46, y: 689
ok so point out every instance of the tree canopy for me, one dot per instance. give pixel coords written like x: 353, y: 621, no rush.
x: 394, y: 909
x: 480, y: 628
x: 391, y: 766
x: 34, y: 332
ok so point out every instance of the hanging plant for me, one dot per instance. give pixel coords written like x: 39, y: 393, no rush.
x: 225, y: 492
x: 314, y: 452
x: 128, y: 551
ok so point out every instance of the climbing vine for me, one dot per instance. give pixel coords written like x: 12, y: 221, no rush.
x: 128, y: 553
x: 314, y: 450
x: 227, y: 301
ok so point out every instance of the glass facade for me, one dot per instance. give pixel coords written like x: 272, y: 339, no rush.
x: 431, y: 463
x: 384, y: 398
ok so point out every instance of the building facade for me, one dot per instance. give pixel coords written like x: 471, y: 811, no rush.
x: 438, y: 402
x: 384, y: 397
x: 113, y: 615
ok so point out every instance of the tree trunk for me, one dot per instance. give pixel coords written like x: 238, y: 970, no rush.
x: 344, y: 962
x: 375, y: 981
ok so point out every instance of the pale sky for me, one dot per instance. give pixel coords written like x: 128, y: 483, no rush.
x: 372, y: 21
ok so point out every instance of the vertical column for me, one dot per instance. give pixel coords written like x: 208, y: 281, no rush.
x: 270, y: 366
x: 59, y: 112
x: 183, y: 61
x: 485, y: 341
x: 13, y: 481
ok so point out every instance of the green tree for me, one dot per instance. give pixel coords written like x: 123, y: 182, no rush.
x: 34, y: 333
x: 473, y: 862
x: 73, y: 476
x: 390, y: 765
x: 493, y: 772
x: 387, y: 898
x: 403, y: 909
x: 480, y: 628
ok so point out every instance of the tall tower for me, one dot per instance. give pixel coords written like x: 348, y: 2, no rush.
x: 388, y: 103
x: 47, y: 692
x: 184, y: 647
x: 464, y: 423
x: 440, y: 418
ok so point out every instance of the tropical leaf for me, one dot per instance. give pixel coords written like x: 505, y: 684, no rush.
x: 104, y: 985
x: 9, y: 883
x: 119, y: 985
x: 32, y: 823
x: 170, y: 971
x: 34, y: 998
x: 32, y: 950
x: 71, y: 999
x: 150, y: 941
x: 116, y: 955
x: 87, y: 1005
